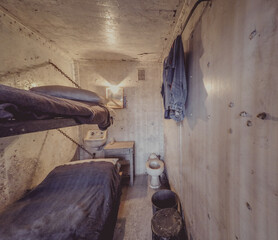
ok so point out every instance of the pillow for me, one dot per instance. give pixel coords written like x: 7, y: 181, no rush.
x: 69, y: 93
x: 112, y: 160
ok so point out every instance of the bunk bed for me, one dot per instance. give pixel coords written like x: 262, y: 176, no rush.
x: 23, y: 111
x: 75, y: 201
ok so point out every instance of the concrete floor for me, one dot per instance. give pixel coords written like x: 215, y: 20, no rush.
x: 135, y: 212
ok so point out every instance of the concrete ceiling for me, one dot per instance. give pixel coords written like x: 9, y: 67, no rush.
x: 101, y: 29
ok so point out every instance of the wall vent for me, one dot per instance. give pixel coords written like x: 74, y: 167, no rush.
x: 141, y: 74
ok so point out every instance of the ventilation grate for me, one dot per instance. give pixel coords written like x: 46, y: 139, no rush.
x: 141, y: 74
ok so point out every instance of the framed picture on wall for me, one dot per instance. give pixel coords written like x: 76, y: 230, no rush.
x: 115, y: 97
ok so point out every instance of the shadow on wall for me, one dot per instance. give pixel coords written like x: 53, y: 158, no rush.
x: 104, y: 55
x: 197, y: 93
x: 113, y: 72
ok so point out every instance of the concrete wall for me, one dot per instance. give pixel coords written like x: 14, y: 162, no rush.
x: 26, y: 159
x: 225, y: 171
x: 140, y: 120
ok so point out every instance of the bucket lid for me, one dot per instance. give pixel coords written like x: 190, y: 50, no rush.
x: 167, y: 223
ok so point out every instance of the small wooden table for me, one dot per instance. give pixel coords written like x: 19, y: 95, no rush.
x: 125, y: 152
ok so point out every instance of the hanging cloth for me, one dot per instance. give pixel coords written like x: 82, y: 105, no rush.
x: 174, y: 87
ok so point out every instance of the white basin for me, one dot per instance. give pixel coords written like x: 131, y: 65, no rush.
x: 95, y: 138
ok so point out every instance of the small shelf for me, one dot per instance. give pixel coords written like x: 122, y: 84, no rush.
x: 125, y: 167
x: 126, y: 170
x: 124, y: 162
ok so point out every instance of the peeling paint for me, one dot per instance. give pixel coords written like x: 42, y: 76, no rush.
x: 248, y: 206
x: 249, y: 123
x: 26, y: 159
x: 253, y: 34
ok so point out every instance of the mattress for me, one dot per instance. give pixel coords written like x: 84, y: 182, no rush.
x: 75, y: 201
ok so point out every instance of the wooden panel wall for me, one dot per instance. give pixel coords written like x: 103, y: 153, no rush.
x: 224, y: 166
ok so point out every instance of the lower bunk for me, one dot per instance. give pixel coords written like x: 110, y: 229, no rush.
x: 75, y: 201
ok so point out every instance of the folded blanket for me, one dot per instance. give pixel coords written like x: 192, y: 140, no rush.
x: 18, y: 104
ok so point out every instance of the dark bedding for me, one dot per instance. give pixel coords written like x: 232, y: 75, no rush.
x: 73, y: 202
x: 17, y: 104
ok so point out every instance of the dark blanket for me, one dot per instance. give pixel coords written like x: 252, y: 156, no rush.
x: 17, y: 104
x: 73, y: 202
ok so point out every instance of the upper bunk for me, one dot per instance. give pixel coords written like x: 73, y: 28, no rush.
x: 23, y: 111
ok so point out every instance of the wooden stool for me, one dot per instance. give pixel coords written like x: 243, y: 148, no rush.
x: 167, y: 225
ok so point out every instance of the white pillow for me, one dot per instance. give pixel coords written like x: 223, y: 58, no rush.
x: 111, y: 160
x: 114, y: 161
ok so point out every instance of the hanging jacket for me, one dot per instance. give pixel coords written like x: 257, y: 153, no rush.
x: 174, y: 87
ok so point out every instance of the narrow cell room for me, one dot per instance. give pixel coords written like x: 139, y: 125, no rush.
x: 138, y: 120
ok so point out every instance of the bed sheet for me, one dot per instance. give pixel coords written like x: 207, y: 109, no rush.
x: 77, y: 201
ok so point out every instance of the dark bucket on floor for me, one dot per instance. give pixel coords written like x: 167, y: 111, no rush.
x: 167, y: 225
x: 164, y: 199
